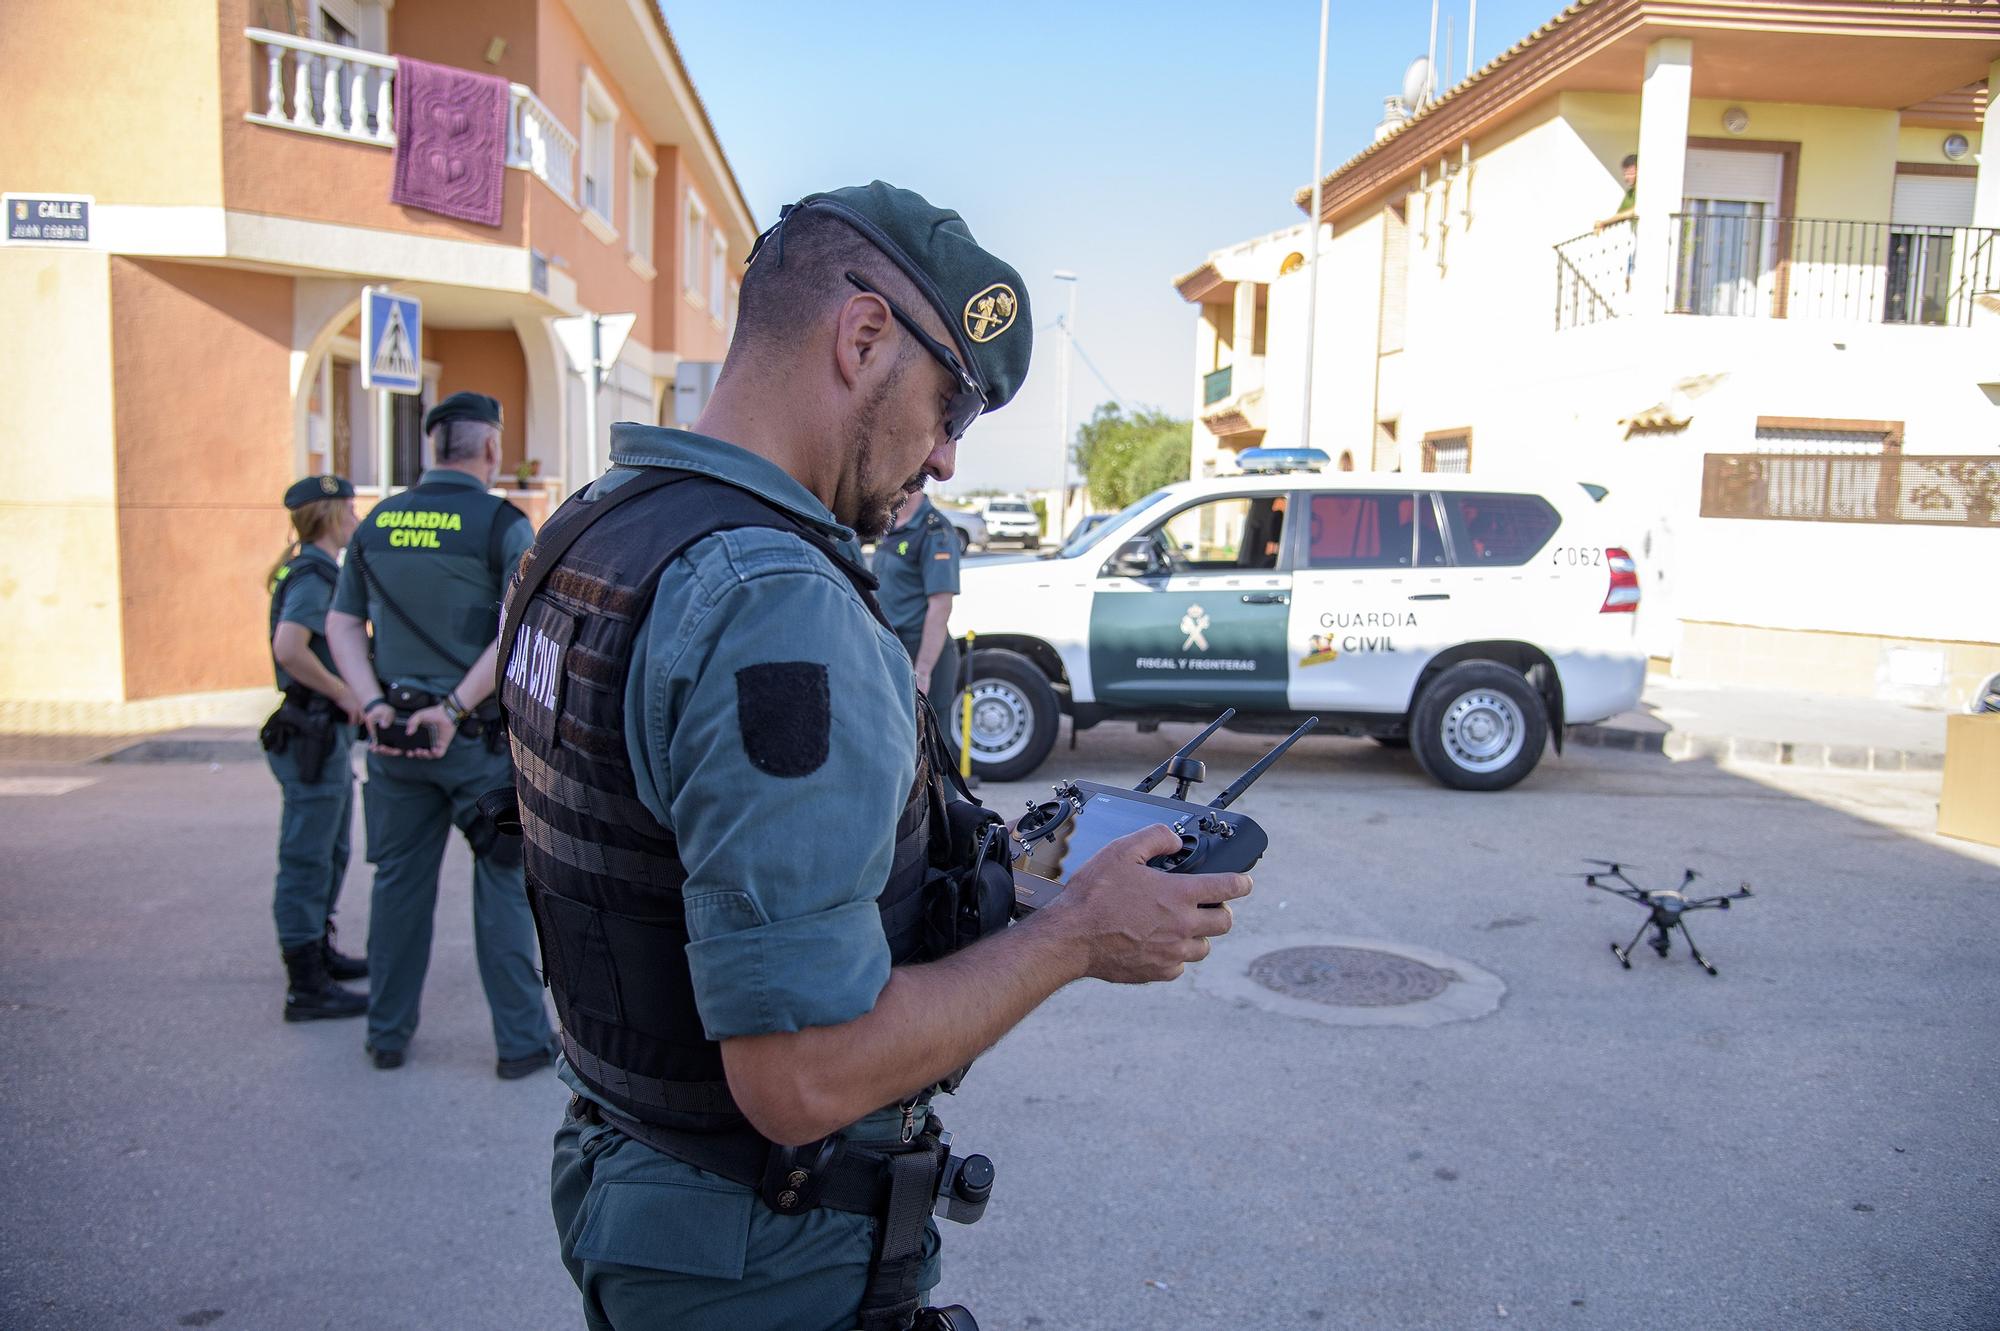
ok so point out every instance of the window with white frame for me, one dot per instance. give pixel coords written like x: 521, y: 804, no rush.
x: 718, y: 250
x: 729, y: 320
x: 694, y: 235
x: 600, y: 136
x: 639, y: 204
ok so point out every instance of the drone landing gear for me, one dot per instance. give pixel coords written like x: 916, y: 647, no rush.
x: 1703, y: 961
x: 1661, y: 942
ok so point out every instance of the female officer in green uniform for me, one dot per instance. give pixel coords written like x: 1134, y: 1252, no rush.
x: 306, y: 743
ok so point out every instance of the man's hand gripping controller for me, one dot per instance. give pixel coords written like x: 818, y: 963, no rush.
x: 1212, y: 840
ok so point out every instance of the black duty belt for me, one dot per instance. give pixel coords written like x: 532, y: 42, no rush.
x: 836, y: 1173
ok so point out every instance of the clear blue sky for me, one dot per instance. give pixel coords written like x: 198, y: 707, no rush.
x: 1121, y: 141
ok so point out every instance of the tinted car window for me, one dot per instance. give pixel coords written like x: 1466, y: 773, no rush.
x: 1371, y: 530
x: 1500, y: 529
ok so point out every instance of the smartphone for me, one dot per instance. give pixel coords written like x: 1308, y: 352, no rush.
x: 393, y: 736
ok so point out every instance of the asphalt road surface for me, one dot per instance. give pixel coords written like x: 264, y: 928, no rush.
x: 1807, y: 1141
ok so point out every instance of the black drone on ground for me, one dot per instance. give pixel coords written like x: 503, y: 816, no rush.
x: 1667, y: 907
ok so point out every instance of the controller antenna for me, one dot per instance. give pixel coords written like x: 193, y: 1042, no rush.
x: 1244, y: 782
x: 1165, y: 769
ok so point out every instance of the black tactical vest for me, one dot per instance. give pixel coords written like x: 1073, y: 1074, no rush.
x: 604, y: 876
x: 434, y: 551
x: 298, y: 566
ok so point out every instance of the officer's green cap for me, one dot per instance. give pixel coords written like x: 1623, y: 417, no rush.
x: 463, y: 407
x: 315, y: 488
x: 981, y: 298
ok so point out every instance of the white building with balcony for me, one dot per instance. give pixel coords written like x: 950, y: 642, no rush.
x: 1785, y: 368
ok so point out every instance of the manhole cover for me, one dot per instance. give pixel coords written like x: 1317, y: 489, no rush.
x: 1348, y: 976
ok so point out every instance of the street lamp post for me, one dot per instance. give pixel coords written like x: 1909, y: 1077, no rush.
x: 1312, y: 234
x: 1069, y: 334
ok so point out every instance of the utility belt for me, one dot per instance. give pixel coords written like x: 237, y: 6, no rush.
x: 898, y: 1185
x: 305, y: 725
x: 481, y: 723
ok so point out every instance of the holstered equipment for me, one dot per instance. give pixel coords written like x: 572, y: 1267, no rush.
x: 895, y: 1184
x: 303, y: 726
x: 407, y: 700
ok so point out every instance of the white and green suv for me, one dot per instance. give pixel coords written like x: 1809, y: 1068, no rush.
x: 1465, y: 617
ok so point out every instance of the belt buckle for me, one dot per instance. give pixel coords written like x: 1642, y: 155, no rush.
x: 791, y: 1186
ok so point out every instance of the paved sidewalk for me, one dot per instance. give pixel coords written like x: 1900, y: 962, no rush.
x: 1732, y: 724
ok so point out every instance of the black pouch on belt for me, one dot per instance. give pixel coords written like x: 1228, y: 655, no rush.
x: 407, y: 701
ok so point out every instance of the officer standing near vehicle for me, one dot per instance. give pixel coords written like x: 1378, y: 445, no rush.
x: 730, y: 796
x: 427, y: 569
x: 917, y: 564
x: 306, y: 743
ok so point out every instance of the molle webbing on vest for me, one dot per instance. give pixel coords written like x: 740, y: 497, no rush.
x: 604, y: 876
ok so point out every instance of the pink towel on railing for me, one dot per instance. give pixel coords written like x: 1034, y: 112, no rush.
x: 451, y: 141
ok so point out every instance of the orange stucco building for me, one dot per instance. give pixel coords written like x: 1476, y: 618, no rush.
x: 166, y: 379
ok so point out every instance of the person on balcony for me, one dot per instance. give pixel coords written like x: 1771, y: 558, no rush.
x: 1628, y: 207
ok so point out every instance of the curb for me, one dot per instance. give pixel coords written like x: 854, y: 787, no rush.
x: 1681, y: 745
x: 167, y: 749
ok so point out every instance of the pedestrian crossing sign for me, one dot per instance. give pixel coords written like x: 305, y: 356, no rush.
x: 392, y: 333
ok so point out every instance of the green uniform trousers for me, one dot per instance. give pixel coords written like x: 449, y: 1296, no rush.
x: 313, y: 841
x: 942, y: 690
x: 411, y: 805
x: 654, y: 1243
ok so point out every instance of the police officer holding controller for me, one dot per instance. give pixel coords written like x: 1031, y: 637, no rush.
x: 734, y: 806
x: 427, y: 569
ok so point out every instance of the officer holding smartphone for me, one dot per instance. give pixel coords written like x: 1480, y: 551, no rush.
x: 426, y: 569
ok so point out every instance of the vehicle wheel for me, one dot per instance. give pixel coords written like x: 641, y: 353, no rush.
x: 1014, y: 715
x: 1032, y: 543
x: 1479, y: 726
x: 1392, y: 741
x: 964, y: 540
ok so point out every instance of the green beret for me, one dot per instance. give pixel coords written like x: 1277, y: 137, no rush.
x: 463, y: 407
x: 980, y: 298
x: 315, y: 488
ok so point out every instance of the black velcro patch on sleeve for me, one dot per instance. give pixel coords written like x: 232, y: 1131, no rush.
x: 785, y: 712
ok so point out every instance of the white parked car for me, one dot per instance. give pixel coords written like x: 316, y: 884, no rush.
x: 971, y: 528
x: 1012, y: 520
x: 1463, y: 616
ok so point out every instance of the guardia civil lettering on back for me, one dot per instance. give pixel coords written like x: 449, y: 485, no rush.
x: 425, y: 572
x: 733, y: 804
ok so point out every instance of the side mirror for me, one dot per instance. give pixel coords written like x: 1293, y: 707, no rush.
x: 1134, y: 559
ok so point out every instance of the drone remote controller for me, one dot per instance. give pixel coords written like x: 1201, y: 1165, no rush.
x: 1057, y: 835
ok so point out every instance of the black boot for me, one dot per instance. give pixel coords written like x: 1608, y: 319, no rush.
x: 339, y: 965
x: 312, y: 996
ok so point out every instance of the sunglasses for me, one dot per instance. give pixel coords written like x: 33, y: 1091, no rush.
x: 967, y: 399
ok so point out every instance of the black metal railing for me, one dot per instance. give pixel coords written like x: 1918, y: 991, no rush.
x: 1817, y: 268
x: 1594, y: 275
x: 1742, y: 266
x: 1215, y: 385
x: 1941, y: 490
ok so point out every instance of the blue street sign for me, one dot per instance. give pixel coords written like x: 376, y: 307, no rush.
x: 392, y: 341
x: 47, y: 219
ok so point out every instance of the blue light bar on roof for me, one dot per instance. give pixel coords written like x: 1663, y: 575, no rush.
x: 1271, y: 461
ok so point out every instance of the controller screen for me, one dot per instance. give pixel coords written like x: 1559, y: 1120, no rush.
x: 1102, y: 820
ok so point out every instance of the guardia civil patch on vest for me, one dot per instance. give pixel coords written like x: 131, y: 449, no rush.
x: 533, y: 688
x: 784, y: 711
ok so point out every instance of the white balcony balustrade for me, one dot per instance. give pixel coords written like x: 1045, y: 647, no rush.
x: 344, y: 93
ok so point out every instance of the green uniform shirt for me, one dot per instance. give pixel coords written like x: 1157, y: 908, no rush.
x: 455, y: 596
x: 783, y: 871
x: 303, y: 597
x: 915, y: 562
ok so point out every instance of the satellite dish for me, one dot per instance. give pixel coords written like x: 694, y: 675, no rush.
x: 1416, y: 83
